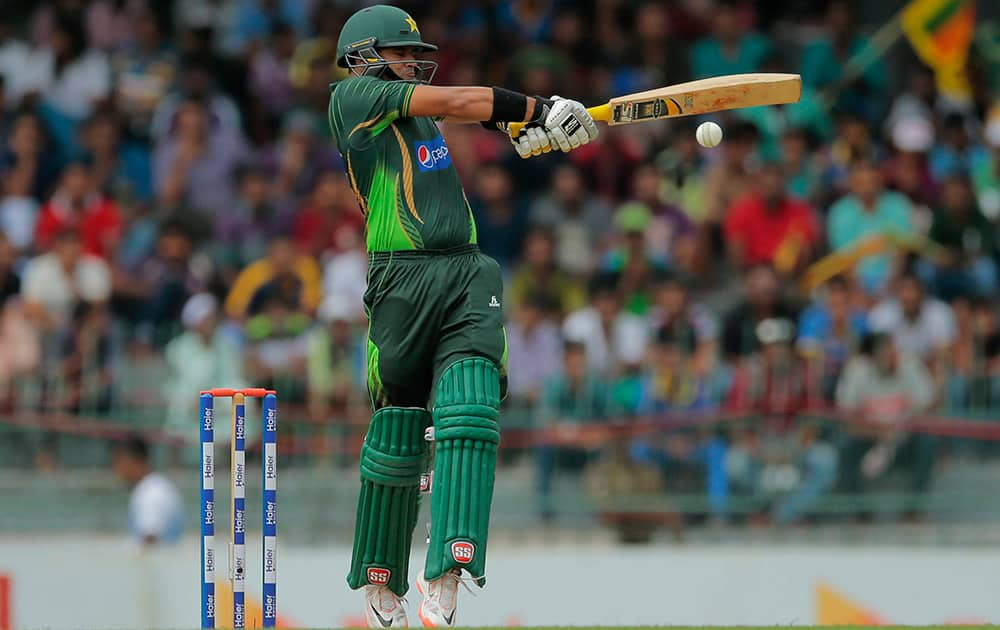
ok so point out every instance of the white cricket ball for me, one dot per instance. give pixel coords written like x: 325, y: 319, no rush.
x: 709, y: 134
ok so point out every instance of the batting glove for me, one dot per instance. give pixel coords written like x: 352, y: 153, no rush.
x: 532, y: 141
x: 568, y: 125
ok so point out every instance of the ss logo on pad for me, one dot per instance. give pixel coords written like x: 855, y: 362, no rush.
x: 462, y: 551
x: 378, y: 576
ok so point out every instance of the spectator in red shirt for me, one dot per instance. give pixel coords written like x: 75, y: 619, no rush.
x: 773, y: 389
x: 78, y: 205
x: 774, y: 382
x: 329, y: 220
x: 769, y: 227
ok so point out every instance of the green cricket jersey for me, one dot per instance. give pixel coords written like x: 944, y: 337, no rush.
x: 399, y: 168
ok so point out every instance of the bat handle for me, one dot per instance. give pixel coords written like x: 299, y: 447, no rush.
x: 597, y: 112
x: 600, y: 112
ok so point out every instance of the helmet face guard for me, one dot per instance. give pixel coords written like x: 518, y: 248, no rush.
x: 364, y: 58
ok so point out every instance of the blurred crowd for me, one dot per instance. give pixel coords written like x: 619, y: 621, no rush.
x: 169, y: 194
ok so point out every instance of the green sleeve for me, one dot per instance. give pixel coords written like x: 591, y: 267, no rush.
x: 361, y: 107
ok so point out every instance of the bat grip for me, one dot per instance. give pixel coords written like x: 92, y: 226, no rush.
x: 597, y: 112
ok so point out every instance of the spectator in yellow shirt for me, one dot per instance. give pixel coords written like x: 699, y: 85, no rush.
x: 295, y: 278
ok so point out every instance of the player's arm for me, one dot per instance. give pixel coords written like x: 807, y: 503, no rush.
x: 469, y: 104
x: 555, y: 122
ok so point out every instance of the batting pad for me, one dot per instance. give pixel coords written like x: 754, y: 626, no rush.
x: 466, y: 434
x: 392, y: 458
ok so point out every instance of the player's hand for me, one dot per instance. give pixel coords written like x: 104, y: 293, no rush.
x: 568, y: 125
x: 533, y: 140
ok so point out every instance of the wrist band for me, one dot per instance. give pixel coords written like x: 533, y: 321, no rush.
x: 508, y: 106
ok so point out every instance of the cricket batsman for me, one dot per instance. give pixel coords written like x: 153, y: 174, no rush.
x: 436, y: 344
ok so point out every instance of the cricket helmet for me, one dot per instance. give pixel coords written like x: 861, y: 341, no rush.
x: 381, y: 26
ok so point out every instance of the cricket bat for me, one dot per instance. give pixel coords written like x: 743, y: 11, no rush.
x: 696, y: 97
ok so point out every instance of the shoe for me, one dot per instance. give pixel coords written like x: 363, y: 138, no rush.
x: 440, y: 599
x: 384, y: 609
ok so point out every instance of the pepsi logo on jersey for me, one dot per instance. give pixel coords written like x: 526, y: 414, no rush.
x: 432, y: 155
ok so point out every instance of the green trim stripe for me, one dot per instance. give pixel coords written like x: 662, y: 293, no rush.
x: 385, y: 122
x: 374, y: 377
x: 503, y: 357
x: 405, y: 109
x: 412, y: 232
x: 473, y: 230
x: 946, y: 13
